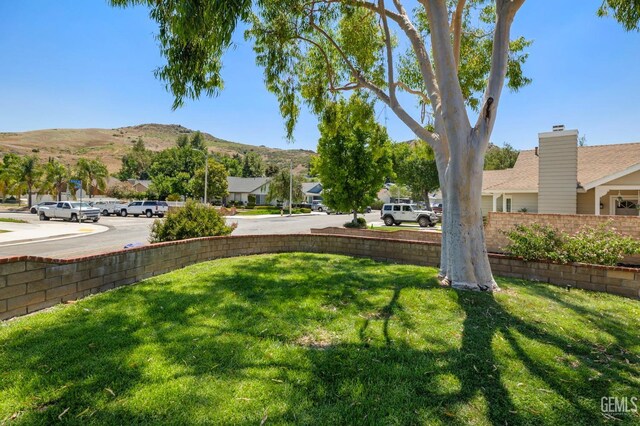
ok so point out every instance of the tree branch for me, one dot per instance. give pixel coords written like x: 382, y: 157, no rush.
x: 505, y: 12
x: 456, y: 26
x: 456, y: 120
x: 387, y: 42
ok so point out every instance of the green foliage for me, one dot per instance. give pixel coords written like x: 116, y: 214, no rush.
x: 252, y: 165
x: 354, y: 155
x: 174, y: 197
x: 136, y: 162
x: 25, y: 173
x: 279, y: 187
x: 360, y: 223
x: 217, y: 186
x: 627, y: 12
x: 536, y: 242
x: 232, y: 164
x: 93, y: 173
x: 192, y: 221
x: 414, y: 165
x: 55, y: 178
x: 497, y: 158
x: 600, y: 246
x: 271, y: 170
x: 251, y: 201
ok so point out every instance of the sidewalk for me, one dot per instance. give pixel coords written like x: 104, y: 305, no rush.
x: 50, y: 230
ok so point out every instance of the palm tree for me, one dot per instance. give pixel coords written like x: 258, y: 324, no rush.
x: 26, y: 175
x: 92, y: 173
x: 56, y: 175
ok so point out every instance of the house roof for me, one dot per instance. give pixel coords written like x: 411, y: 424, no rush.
x: 595, y: 164
x: 311, y: 187
x: 245, y: 185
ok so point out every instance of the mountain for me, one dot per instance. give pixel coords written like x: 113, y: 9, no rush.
x: 111, y: 144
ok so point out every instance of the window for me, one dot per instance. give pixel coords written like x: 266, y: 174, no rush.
x: 387, y: 207
x: 396, y: 208
x: 507, y: 202
x: 406, y: 208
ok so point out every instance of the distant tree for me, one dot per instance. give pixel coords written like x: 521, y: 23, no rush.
x: 217, y: 186
x: 271, y: 170
x: 172, y: 169
x: 197, y: 142
x: 252, y: 165
x: 497, y: 158
x: 415, y: 167
x: 182, y: 141
x: 136, y: 162
x: 7, y: 173
x: 26, y: 175
x: 279, y: 187
x: 582, y: 140
x: 354, y: 155
x: 399, y: 191
x: 54, y: 179
x: 232, y: 164
x: 93, y: 173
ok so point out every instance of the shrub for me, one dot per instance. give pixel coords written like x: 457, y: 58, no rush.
x: 192, y: 221
x: 305, y: 210
x: 536, y: 242
x: 360, y: 223
x: 599, y: 246
x: 174, y: 197
x: 251, y: 201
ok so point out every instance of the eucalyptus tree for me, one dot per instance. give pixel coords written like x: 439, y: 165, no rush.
x: 93, y: 173
x: 453, y: 56
x: 283, y: 187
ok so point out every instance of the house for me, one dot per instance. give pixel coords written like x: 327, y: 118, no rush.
x: 561, y: 177
x: 239, y: 189
x: 139, y: 185
x: 312, y: 191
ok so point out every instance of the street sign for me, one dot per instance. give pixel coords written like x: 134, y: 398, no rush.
x: 76, y: 182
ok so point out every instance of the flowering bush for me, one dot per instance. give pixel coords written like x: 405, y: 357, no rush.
x: 602, y: 245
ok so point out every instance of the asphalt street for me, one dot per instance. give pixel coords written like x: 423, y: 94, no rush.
x: 130, y: 230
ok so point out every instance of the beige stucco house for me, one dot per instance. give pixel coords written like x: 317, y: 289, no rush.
x: 560, y: 177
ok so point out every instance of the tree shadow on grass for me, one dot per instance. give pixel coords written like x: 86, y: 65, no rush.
x: 231, y: 343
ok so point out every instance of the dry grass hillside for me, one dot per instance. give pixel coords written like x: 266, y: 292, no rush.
x: 110, y: 144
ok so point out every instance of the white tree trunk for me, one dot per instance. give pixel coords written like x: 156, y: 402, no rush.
x: 465, y: 262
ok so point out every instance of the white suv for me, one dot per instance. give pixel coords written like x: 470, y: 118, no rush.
x: 396, y: 213
x: 148, y: 208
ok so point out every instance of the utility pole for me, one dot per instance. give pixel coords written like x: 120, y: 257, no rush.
x: 290, y: 185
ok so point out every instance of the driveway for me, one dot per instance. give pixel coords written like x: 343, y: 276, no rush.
x: 120, y: 231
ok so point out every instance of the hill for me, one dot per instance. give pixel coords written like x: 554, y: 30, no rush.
x: 111, y: 144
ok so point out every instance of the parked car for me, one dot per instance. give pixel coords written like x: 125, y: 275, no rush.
x: 317, y: 206
x: 34, y: 209
x: 437, y: 208
x: 110, y: 207
x: 75, y: 211
x: 148, y: 208
x: 397, y: 213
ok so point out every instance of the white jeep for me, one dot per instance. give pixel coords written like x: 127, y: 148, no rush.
x: 397, y: 213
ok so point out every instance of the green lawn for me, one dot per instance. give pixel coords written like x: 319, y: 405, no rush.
x: 321, y: 339
x: 11, y: 220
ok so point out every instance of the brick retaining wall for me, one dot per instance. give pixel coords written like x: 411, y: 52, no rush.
x: 426, y: 235
x: 569, y: 223
x: 29, y: 284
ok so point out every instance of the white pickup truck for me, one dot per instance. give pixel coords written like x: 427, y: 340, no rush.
x: 74, y: 211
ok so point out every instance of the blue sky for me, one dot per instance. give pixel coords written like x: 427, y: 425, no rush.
x: 76, y: 64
